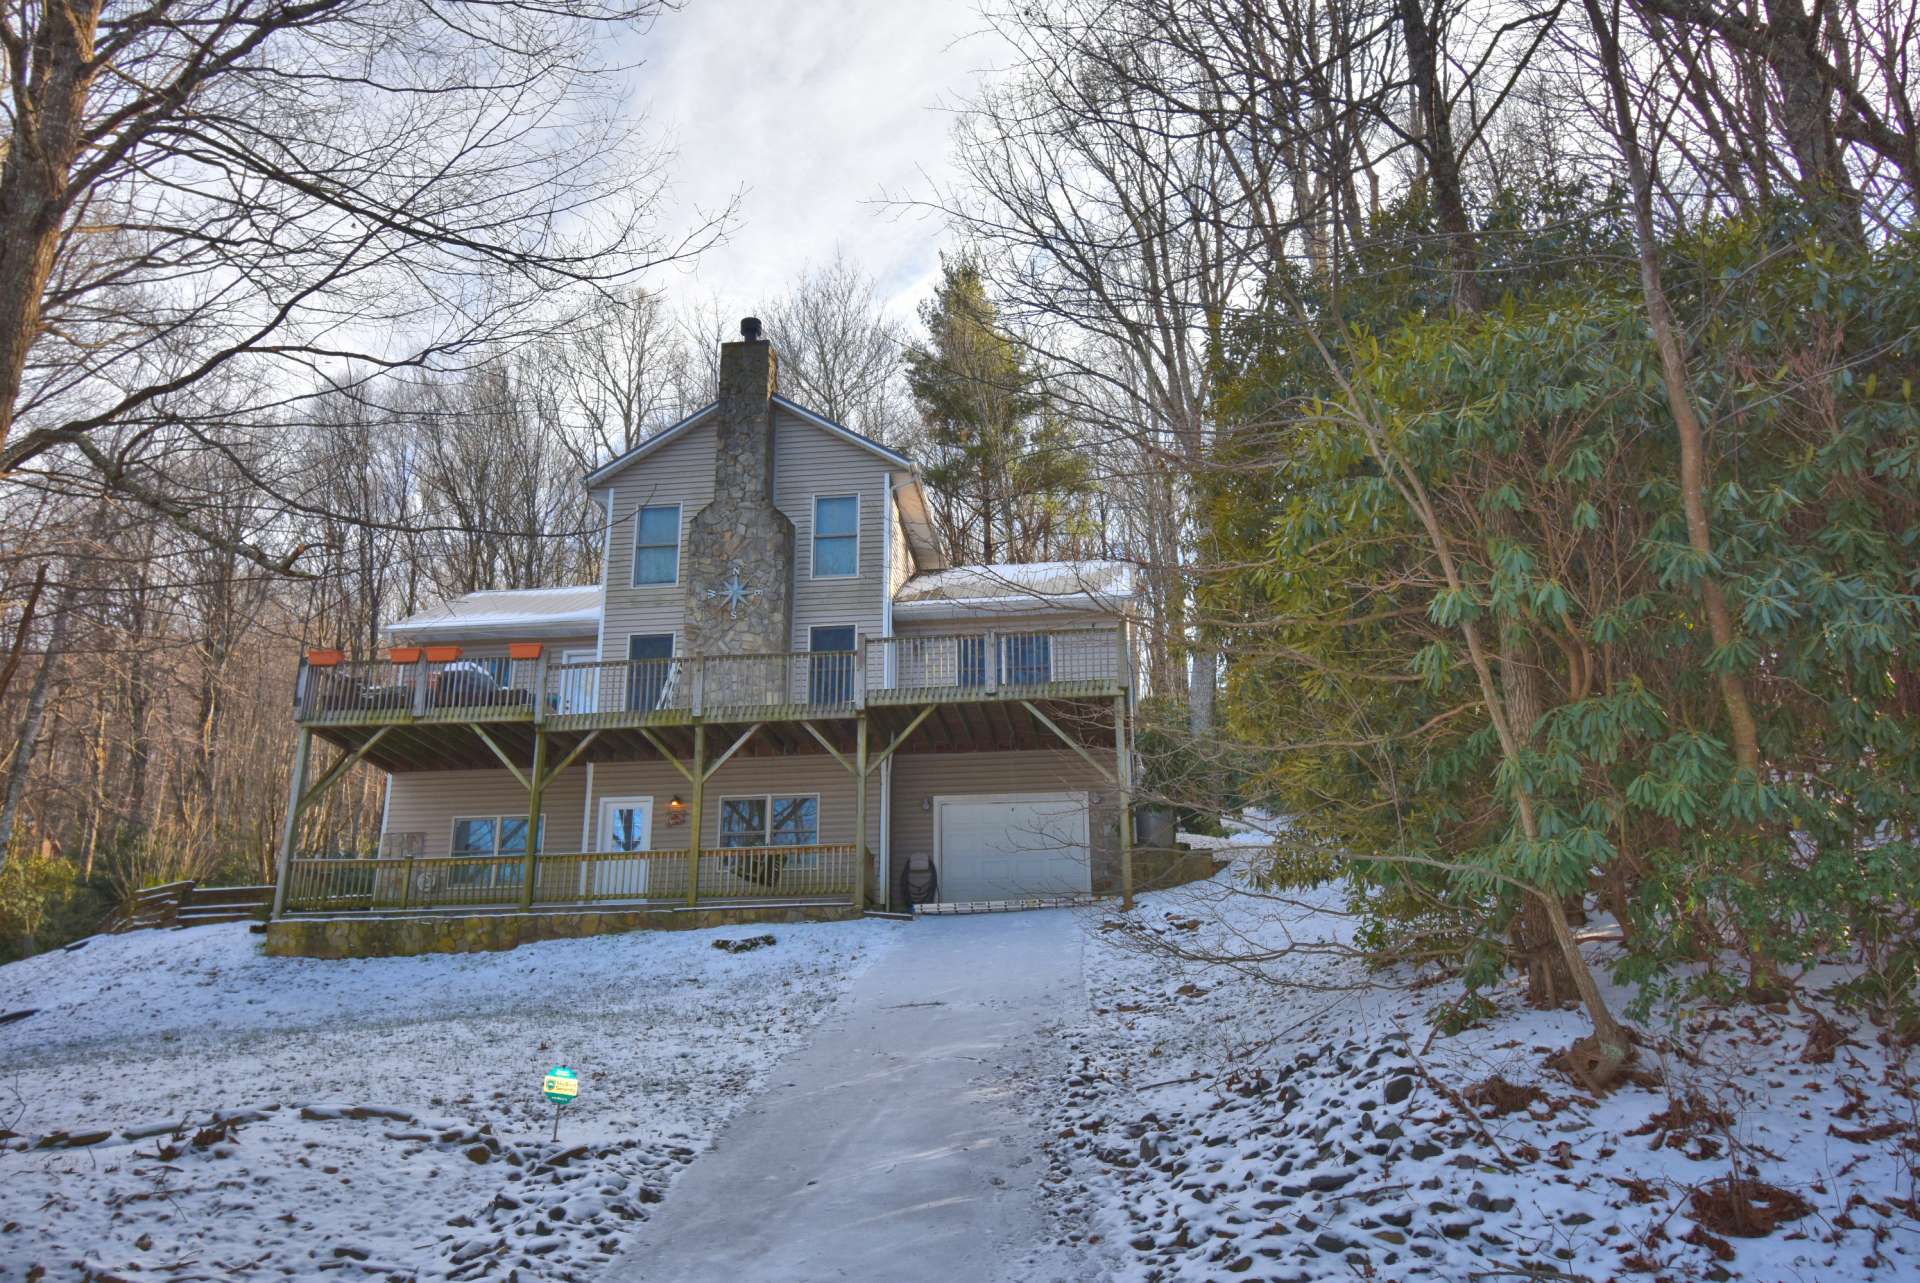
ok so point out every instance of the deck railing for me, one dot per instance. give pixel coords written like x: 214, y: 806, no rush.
x: 369, y: 689
x: 745, y: 875
x: 991, y: 662
x: 955, y: 666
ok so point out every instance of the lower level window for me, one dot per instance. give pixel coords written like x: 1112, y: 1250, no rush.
x: 493, y: 835
x: 489, y: 837
x: 769, y: 821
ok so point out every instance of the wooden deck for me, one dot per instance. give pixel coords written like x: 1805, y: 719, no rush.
x: 534, y: 719
x: 961, y: 726
x: 984, y: 692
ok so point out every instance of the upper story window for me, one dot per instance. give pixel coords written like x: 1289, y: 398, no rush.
x: 836, y: 536
x: 656, y: 545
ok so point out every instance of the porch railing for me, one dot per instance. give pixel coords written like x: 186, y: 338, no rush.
x: 744, y: 875
x: 969, y: 665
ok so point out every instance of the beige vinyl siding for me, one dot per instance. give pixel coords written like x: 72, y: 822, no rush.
x: 919, y: 777
x: 426, y: 803
x: 679, y: 472
x: 755, y: 776
x: 810, y: 462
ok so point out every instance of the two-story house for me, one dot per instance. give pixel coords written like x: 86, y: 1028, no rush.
x: 779, y: 692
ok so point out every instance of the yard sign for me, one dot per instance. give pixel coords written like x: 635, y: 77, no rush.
x: 561, y: 1085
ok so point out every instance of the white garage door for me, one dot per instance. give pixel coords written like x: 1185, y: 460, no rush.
x: 1012, y: 845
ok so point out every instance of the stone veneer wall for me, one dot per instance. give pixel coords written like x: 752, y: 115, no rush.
x: 741, y: 531
x: 405, y: 937
x: 1157, y: 868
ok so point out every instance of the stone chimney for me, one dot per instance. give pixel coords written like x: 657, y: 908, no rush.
x: 739, y: 554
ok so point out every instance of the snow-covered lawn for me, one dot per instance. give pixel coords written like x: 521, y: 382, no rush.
x: 273, y: 1119
x: 1212, y: 1124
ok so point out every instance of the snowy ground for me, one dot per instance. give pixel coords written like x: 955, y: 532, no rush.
x: 180, y: 1107
x: 1211, y: 1124
x: 272, y: 1119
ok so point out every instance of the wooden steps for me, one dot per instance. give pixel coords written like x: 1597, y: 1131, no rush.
x: 187, y: 904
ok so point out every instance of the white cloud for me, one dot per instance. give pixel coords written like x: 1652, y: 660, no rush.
x: 816, y: 110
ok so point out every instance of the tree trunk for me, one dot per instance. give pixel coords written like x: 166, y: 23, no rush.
x: 1763, y: 977
x: 1201, y: 679
x: 1806, y: 117
x: 1549, y: 979
x: 34, y: 723
x: 47, y: 128
x: 1443, y: 165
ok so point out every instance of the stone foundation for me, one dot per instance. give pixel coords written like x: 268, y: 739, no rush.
x: 405, y: 937
x: 1157, y: 868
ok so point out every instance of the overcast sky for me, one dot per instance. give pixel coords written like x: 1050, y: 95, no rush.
x: 816, y: 110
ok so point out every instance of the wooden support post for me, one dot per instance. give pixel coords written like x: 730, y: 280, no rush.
x: 540, y: 687
x: 698, y: 778
x: 1069, y: 741
x: 536, y: 789
x: 900, y: 739
x: 860, y: 670
x: 420, y: 685
x: 290, y: 831
x: 860, y: 813
x: 501, y: 753
x: 340, y: 767
x: 1123, y: 770
x: 990, y: 646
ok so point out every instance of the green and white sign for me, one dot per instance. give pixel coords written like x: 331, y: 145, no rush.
x: 561, y: 1085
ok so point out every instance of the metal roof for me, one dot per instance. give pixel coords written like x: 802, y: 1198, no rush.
x: 509, y: 614
x: 1008, y: 587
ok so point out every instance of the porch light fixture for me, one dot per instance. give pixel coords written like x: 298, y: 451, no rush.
x: 926, y: 803
x: 676, y: 810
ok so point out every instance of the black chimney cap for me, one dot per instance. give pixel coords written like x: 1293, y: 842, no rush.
x: 750, y: 328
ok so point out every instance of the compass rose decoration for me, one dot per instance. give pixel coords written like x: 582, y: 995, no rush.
x: 734, y: 591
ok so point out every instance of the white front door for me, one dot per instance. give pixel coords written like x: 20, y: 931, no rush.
x: 1012, y: 845
x: 626, y: 825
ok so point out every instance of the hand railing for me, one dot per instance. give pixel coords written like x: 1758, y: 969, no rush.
x: 777, y: 872
x: 616, y: 686
x: 365, y: 689
x: 983, y: 663
x: 401, y: 883
x: 993, y: 661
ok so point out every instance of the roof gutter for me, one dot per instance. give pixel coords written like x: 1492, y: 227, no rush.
x: 975, y: 607
x: 533, y: 628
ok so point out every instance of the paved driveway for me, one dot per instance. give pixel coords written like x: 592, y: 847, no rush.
x: 895, y: 1145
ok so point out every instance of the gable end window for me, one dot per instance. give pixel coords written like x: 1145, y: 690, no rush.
x: 836, y: 536
x: 656, y: 545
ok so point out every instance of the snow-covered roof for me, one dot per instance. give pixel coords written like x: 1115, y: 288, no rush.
x: 1016, y: 587
x: 509, y: 614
